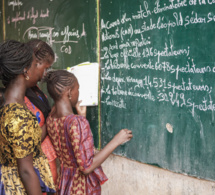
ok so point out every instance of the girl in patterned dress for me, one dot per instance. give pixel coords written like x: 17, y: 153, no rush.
x: 24, y: 168
x: 72, y: 138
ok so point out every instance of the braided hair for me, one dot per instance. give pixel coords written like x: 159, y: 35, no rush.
x: 42, y: 51
x: 14, y: 58
x: 58, y: 81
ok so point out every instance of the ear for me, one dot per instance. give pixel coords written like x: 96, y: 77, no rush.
x: 25, y: 73
x: 69, y: 93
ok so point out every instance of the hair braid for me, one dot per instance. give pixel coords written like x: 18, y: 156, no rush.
x: 14, y: 57
x: 58, y: 81
x: 42, y: 51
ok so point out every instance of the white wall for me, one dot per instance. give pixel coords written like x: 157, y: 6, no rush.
x: 127, y: 177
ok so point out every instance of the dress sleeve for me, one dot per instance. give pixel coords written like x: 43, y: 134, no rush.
x: 82, y: 142
x: 20, y: 127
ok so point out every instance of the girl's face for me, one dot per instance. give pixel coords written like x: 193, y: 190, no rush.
x: 75, y: 94
x: 38, y: 70
x: 43, y: 68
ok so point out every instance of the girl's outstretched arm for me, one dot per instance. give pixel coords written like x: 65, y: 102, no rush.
x: 123, y: 136
x: 28, y: 175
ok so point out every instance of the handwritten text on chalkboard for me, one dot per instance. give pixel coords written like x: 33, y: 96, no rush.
x: 129, y: 47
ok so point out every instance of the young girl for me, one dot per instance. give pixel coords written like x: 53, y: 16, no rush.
x: 71, y: 136
x: 23, y: 166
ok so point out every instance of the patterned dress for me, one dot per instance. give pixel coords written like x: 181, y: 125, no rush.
x: 73, y: 142
x: 20, y: 135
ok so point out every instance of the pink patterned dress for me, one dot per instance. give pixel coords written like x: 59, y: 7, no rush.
x: 73, y: 141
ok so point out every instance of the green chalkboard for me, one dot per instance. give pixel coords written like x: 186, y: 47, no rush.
x: 157, y: 79
x: 68, y: 26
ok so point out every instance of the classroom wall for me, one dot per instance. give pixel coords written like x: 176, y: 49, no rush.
x: 128, y: 177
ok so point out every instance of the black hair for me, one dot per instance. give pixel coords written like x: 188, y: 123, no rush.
x: 58, y: 81
x: 42, y: 51
x: 14, y: 58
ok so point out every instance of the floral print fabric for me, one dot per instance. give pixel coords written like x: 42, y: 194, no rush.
x: 20, y: 135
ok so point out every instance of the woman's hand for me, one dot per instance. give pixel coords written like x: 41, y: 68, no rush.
x: 123, y: 136
x: 81, y: 110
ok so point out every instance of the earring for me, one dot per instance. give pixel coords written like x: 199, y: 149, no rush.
x: 27, y: 77
x: 70, y: 97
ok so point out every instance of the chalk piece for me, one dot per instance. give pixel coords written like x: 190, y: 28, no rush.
x: 169, y: 127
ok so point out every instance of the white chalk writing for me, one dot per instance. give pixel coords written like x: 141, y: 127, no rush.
x: 137, y: 64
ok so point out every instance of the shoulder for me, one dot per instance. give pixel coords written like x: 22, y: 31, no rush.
x: 80, y: 125
x: 16, y: 115
x: 76, y: 119
x: 16, y: 110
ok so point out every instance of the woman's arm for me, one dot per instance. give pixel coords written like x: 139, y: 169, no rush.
x: 123, y: 136
x: 28, y: 175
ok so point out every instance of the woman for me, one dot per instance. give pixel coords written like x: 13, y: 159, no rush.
x: 37, y: 102
x: 23, y: 166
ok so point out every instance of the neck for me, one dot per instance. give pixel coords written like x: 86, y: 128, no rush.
x: 62, y: 108
x: 15, y: 91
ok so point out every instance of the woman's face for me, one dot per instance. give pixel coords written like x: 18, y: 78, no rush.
x: 38, y: 70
